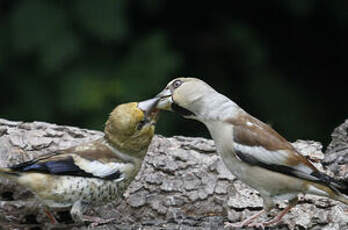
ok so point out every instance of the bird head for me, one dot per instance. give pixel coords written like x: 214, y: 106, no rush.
x: 131, y: 126
x: 184, y: 96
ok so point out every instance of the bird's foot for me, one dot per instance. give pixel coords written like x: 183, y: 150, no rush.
x: 77, y: 215
x: 278, y: 218
x: 262, y: 225
x: 244, y: 223
x: 273, y: 221
x: 228, y: 225
x: 257, y: 225
x: 95, y: 221
x: 50, y: 216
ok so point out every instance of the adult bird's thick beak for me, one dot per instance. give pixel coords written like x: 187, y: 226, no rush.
x: 149, y: 108
x: 165, y: 100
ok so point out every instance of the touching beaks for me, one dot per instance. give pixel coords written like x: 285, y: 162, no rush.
x: 165, y: 100
x: 149, y: 107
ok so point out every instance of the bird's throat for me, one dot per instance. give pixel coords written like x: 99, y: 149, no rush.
x: 182, y: 111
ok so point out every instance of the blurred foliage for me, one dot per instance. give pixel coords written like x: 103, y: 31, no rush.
x: 71, y: 62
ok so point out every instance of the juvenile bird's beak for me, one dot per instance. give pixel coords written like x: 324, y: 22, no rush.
x: 165, y: 100
x: 149, y: 108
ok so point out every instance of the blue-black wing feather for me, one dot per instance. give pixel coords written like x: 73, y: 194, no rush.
x: 63, y: 166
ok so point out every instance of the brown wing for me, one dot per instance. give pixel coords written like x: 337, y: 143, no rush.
x: 258, y: 144
x: 95, y: 150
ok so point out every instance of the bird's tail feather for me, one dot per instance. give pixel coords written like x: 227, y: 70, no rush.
x: 340, y: 186
x: 334, y: 188
x: 338, y: 189
x: 9, y: 173
x: 341, y: 189
x: 341, y: 197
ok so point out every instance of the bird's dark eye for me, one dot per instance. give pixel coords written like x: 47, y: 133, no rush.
x: 141, y: 124
x: 177, y: 83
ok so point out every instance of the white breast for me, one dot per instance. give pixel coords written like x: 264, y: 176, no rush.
x: 267, y: 182
x: 222, y: 135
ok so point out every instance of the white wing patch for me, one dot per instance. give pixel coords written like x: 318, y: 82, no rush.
x: 100, y: 169
x: 262, y: 154
x: 271, y: 157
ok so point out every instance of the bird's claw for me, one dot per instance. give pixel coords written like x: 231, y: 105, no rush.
x: 228, y: 225
x: 98, y: 221
x: 257, y: 225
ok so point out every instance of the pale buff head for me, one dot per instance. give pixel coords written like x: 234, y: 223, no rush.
x: 185, y: 96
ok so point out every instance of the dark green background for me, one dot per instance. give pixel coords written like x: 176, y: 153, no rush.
x: 71, y: 62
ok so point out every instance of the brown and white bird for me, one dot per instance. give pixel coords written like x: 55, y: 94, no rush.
x: 95, y: 172
x: 254, y: 152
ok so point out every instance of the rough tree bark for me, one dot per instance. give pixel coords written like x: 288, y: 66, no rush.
x: 183, y: 184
